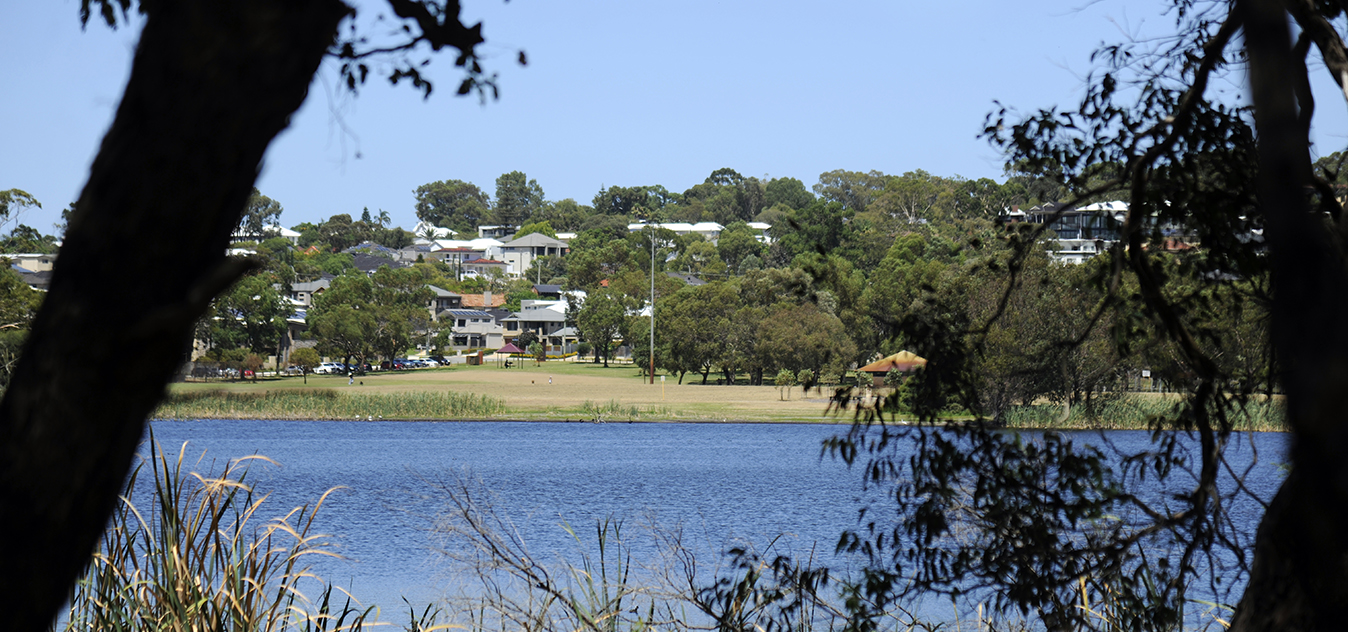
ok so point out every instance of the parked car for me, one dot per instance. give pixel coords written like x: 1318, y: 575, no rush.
x: 330, y: 368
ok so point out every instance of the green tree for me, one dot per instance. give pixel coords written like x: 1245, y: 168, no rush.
x: 1149, y: 130
x: 306, y: 359
x: 564, y: 215
x: 784, y: 380
x: 542, y: 227
x: 454, y: 204
x: 602, y: 321
x: 260, y: 212
x: 737, y: 243
x: 252, y: 315
x: 25, y: 239
x: 517, y: 199
x: 788, y: 192
x: 343, y: 319
x: 854, y: 190
x: 18, y: 305
x: 13, y: 203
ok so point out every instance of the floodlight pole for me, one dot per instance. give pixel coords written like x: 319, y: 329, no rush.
x: 652, y: 306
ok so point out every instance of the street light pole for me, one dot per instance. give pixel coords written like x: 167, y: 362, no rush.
x: 652, y: 306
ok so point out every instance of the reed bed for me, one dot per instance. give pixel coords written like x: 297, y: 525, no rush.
x: 196, y: 555
x: 614, y: 410
x: 328, y: 404
x: 1132, y: 412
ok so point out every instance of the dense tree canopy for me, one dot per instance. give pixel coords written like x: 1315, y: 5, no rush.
x: 453, y: 204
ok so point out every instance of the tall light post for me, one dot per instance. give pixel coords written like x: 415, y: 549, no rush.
x: 652, y: 305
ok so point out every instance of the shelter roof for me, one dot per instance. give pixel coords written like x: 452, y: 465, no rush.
x: 903, y: 361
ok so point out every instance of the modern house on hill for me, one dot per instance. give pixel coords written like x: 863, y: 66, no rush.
x: 443, y: 300
x: 1081, y: 233
x: 545, y: 318
x: 473, y: 329
x: 522, y: 252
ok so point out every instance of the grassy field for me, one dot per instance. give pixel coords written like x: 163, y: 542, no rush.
x: 578, y: 391
x: 566, y: 391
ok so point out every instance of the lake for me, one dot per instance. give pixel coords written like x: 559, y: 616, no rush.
x: 725, y: 484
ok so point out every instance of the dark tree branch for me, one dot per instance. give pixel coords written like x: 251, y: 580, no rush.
x: 211, y: 85
x: 1297, y: 580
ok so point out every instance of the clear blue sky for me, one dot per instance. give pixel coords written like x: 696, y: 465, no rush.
x: 617, y: 92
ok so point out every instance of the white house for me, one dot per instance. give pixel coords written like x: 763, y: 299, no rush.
x: 522, y: 252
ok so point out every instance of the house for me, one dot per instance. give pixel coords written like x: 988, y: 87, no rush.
x: 490, y: 248
x: 425, y: 232
x: 303, y: 293
x: 544, y: 318
x: 1081, y: 233
x: 409, y: 254
x: 269, y: 231
x: 763, y: 237
x: 548, y: 292
x: 484, y: 301
x: 482, y: 267
x: 473, y: 328
x: 495, y: 232
x: 456, y: 257
x: 368, y: 263
x: 443, y: 300
x: 522, y: 252
x: 32, y: 262
x: 711, y: 231
x: 40, y: 281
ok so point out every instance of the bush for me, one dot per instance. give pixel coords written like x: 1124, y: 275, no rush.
x: 200, y: 557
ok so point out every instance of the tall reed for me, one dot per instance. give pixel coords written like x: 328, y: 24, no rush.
x: 328, y: 404
x: 198, y: 556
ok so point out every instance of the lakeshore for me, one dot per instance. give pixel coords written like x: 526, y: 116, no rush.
x: 581, y: 392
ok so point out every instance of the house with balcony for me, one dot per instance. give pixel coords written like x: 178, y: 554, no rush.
x: 1078, y: 233
x: 473, y: 329
x: 544, y: 318
x: 522, y: 252
x: 482, y: 267
x: 443, y: 300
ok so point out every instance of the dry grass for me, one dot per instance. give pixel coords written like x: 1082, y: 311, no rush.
x: 576, y: 391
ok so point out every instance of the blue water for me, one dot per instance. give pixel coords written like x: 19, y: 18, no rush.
x: 725, y: 484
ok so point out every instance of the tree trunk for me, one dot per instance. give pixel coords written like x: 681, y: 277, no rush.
x: 211, y: 85
x: 1299, y: 579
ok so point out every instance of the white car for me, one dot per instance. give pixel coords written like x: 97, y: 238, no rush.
x: 329, y: 368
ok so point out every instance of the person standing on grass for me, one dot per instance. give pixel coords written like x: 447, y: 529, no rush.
x: 350, y: 378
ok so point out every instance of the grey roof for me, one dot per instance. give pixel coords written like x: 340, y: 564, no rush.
x: 322, y: 283
x: 534, y: 240
x: 686, y: 278
x: 439, y: 293
x: 370, y: 263
x: 548, y: 289
x: 468, y: 313
x: 37, y: 280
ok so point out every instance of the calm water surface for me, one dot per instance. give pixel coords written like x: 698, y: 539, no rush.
x: 724, y: 483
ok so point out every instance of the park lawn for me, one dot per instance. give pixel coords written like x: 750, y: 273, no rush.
x: 579, y: 391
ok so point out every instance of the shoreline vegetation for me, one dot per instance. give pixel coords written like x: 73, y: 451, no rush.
x: 583, y: 393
